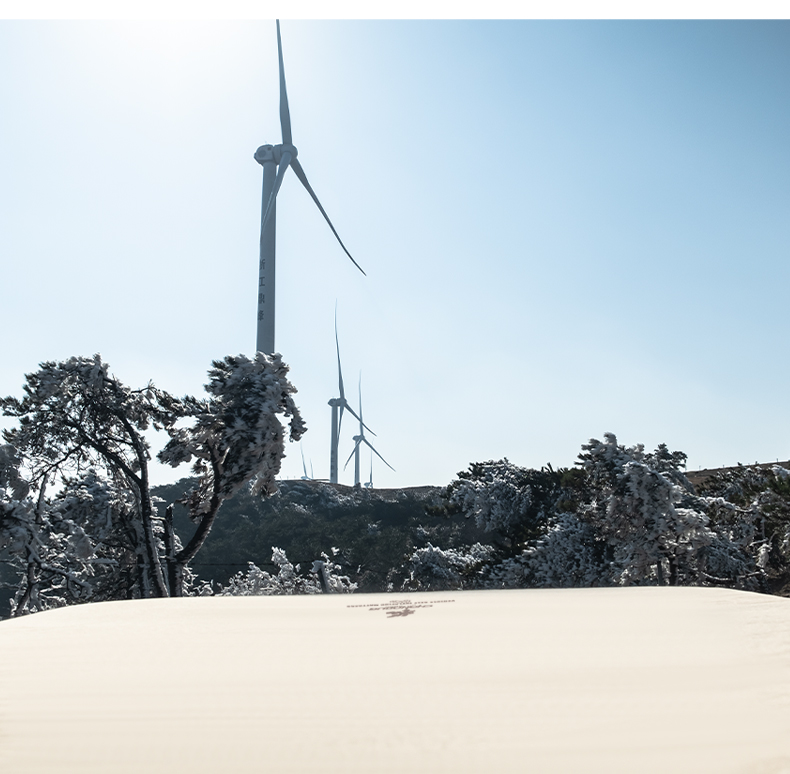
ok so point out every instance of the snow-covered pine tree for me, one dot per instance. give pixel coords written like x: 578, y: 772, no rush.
x: 235, y: 438
x: 509, y: 501
x: 652, y: 526
x: 749, y: 508
x: 76, y: 417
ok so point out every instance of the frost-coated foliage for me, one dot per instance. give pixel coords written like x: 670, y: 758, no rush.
x: 236, y: 437
x: 493, y: 493
x: 504, y: 498
x: 12, y: 484
x: 290, y: 579
x: 58, y: 562
x: 76, y: 418
x: 565, y: 556
x: 636, y: 509
x: 750, y: 507
x: 78, y: 522
x: 74, y: 413
x: 77, y: 519
x: 435, y: 569
x: 622, y: 517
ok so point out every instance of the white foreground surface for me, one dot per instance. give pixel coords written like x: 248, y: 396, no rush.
x: 592, y: 680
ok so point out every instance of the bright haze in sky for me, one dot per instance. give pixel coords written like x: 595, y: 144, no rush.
x: 568, y: 227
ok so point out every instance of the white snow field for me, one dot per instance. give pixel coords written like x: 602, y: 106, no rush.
x: 593, y: 680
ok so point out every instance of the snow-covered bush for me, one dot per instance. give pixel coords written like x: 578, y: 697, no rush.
x: 436, y: 569
x: 289, y: 579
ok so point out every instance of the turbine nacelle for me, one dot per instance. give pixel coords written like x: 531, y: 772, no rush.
x: 267, y: 154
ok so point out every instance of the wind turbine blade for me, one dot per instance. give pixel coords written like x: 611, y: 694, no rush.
x: 360, y: 405
x: 304, y: 467
x: 297, y: 168
x: 356, y: 446
x: 353, y: 414
x: 365, y: 440
x: 285, y: 114
x: 285, y: 160
x: 340, y: 422
x: 339, y: 369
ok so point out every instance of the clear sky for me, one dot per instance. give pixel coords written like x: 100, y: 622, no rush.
x: 568, y: 227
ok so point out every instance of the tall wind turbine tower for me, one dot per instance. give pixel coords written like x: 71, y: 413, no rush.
x: 275, y: 160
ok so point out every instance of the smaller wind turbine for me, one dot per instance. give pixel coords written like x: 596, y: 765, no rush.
x: 369, y: 484
x: 360, y: 439
x: 339, y: 405
x: 305, y: 477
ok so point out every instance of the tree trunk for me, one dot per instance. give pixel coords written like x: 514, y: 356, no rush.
x: 157, y: 579
x: 673, y: 571
x: 170, y: 550
x: 31, y: 585
x: 187, y: 553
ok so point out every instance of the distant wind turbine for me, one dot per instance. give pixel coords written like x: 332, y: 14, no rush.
x: 305, y: 477
x: 369, y: 484
x: 360, y: 439
x: 275, y: 160
x: 339, y: 405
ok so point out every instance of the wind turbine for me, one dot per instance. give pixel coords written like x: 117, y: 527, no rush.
x: 275, y: 160
x: 360, y: 439
x: 305, y: 477
x: 339, y: 405
x: 369, y: 483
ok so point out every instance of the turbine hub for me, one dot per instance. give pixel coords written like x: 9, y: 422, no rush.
x: 285, y: 147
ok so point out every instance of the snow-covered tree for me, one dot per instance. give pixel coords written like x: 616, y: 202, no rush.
x: 654, y: 527
x: 75, y: 417
x: 78, y: 517
x: 510, y: 501
x: 19, y: 526
x: 566, y: 555
x: 749, y: 508
x: 49, y: 552
x: 235, y: 438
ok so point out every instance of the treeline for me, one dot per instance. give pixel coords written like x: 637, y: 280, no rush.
x: 620, y: 516
x: 79, y: 521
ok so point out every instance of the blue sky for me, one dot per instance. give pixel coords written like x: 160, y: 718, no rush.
x: 569, y: 227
